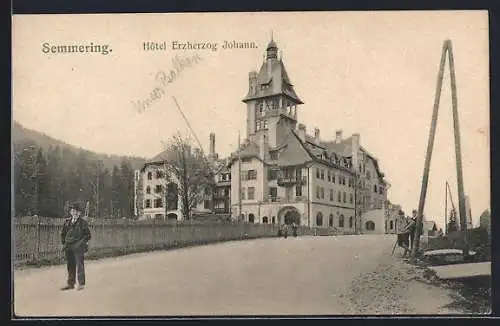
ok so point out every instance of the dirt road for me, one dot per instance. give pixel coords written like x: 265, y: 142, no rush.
x: 300, y: 276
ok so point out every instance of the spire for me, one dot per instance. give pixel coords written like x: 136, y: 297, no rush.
x: 272, y: 49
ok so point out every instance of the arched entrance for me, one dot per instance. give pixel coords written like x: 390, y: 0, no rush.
x: 289, y: 215
x: 171, y: 217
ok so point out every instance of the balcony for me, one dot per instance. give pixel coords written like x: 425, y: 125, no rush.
x: 291, y: 180
x: 284, y: 200
x: 221, y: 196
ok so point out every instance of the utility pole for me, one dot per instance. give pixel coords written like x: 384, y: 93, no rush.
x: 447, y: 49
x: 458, y: 150
x: 430, y: 146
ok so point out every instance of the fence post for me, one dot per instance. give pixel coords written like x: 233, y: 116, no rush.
x: 154, y: 234
x: 125, y: 235
x: 38, y: 238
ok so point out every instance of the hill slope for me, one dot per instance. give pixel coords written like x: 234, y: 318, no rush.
x: 21, y: 134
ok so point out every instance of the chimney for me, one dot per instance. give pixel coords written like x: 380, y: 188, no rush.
x: 252, y: 83
x: 355, y: 151
x: 338, y: 136
x: 212, y: 145
x: 301, y: 132
x: 263, y: 146
x: 316, y: 135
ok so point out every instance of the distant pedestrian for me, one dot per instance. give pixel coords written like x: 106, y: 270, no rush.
x: 404, y: 236
x: 294, y: 229
x: 285, y: 231
x: 74, y: 237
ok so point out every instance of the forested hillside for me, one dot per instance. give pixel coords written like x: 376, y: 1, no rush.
x: 48, y: 174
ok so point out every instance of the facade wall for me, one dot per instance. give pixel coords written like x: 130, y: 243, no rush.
x: 273, y: 212
x: 376, y: 216
x: 152, y: 211
x: 324, y: 192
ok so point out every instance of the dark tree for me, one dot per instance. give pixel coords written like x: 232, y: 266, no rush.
x: 189, y: 170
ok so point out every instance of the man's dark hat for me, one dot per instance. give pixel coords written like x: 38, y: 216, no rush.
x: 76, y: 206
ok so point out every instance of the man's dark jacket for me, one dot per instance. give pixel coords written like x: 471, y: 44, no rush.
x: 74, y: 236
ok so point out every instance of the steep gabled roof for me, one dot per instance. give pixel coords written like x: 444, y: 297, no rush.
x: 429, y: 226
x: 294, y: 152
x: 273, y: 74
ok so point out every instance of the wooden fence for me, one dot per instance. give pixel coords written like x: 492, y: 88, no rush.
x: 37, y: 239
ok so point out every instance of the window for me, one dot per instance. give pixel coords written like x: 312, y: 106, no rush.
x: 375, y: 188
x: 265, y: 124
x: 246, y: 159
x: 329, y: 175
x: 273, y: 192
x: 251, y: 218
x: 318, y: 193
x: 341, y: 221
x: 264, y: 220
x: 252, y: 175
x: 243, y: 193
x: 344, y: 197
x: 172, y: 196
x: 322, y: 193
x: 158, y: 189
x: 298, y: 191
x: 273, y: 219
x: 319, y: 219
x: 333, y: 178
x: 350, y: 222
x: 274, y: 155
x: 370, y: 226
x: 158, y: 202
x: 159, y: 216
x: 391, y: 225
x: 150, y: 176
x: 272, y: 174
x: 322, y: 174
x: 351, y: 198
x: 330, y: 221
x: 148, y: 189
x: 251, y: 193
x: 147, y: 204
x: 381, y: 190
x: 317, y: 173
x: 331, y: 194
x: 159, y: 174
x: 206, y: 204
x: 339, y: 196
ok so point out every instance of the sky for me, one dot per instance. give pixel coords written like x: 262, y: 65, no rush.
x: 372, y: 73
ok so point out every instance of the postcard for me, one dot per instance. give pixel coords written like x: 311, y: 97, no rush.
x: 251, y: 164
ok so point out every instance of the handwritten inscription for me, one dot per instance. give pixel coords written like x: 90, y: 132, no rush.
x: 162, y: 80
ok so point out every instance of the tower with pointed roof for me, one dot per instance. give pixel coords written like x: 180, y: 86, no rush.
x: 271, y: 101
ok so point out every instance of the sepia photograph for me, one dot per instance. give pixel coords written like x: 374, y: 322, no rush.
x: 332, y: 163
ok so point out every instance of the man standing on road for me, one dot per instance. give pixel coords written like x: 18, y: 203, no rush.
x: 74, y: 237
x: 404, y: 234
x: 413, y: 228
